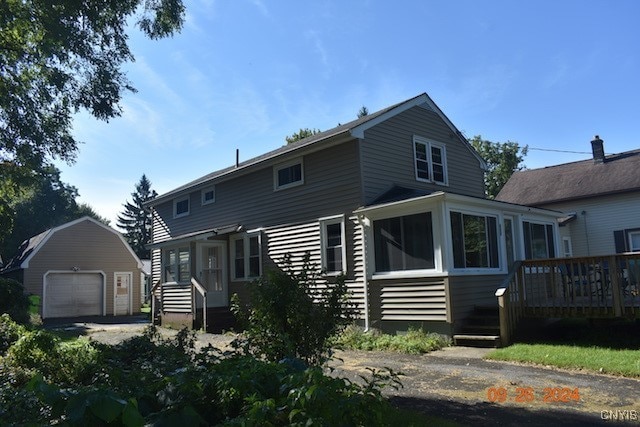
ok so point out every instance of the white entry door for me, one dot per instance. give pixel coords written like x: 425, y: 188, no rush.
x: 122, y: 293
x: 212, y: 273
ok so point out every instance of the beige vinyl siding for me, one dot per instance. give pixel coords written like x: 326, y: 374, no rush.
x: 388, y: 158
x: 423, y: 299
x: 331, y: 184
x: 466, y: 292
x: 592, y: 231
x: 299, y: 239
x: 89, y: 247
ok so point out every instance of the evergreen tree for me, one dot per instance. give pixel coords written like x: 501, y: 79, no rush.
x: 135, y: 220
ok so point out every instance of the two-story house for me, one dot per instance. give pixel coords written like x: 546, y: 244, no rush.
x: 395, y: 200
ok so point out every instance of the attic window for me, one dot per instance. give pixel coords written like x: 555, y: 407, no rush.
x: 288, y: 175
x: 181, y: 207
x: 430, y: 160
x: 208, y: 195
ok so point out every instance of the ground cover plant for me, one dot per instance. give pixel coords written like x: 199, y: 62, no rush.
x: 415, y: 341
x: 611, y: 347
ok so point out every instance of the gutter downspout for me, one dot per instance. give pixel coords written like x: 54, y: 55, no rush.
x: 365, y: 223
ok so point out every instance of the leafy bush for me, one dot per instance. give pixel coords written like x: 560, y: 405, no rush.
x: 42, y: 352
x: 293, y: 315
x: 10, y: 332
x: 415, y: 341
x: 13, y: 300
x: 153, y: 380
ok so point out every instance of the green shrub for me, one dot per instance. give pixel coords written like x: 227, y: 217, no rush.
x: 13, y: 300
x: 10, y: 332
x: 293, y: 314
x: 415, y: 341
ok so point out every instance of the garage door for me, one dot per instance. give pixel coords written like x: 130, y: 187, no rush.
x: 73, y: 294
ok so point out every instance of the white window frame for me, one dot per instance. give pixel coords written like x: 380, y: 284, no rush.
x: 567, y: 247
x: 498, y: 242
x: 205, y: 191
x: 324, y: 222
x: 175, y: 207
x: 630, y: 235
x: 278, y: 168
x: 246, y: 250
x: 428, y: 145
x: 176, y: 265
x: 555, y: 235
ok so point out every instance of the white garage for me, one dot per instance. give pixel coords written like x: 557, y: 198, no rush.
x: 73, y: 294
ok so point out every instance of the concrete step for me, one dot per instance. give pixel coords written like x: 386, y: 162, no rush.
x: 476, y: 340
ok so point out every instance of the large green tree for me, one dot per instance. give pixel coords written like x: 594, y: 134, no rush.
x: 502, y: 159
x: 135, y: 220
x: 38, y: 202
x: 301, y: 134
x: 58, y: 57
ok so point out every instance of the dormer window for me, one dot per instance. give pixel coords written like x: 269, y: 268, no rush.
x: 181, y: 207
x: 430, y: 161
x: 287, y: 175
x: 208, y: 195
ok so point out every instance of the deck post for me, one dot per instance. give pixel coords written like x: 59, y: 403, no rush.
x: 616, y: 291
x: 503, y: 310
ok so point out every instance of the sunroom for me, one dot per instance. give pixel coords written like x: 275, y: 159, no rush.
x: 432, y: 258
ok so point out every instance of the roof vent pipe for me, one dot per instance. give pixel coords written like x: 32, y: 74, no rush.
x: 597, y: 146
x: 237, y: 157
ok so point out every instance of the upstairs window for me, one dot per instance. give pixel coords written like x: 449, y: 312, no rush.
x: 430, y: 161
x: 246, y: 255
x: 181, y: 207
x: 475, y: 241
x: 634, y: 241
x: 333, y: 245
x: 208, y: 195
x: 288, y: 175
x: 404, y: 243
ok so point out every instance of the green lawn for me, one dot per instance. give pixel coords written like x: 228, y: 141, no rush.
x: 605, y: 347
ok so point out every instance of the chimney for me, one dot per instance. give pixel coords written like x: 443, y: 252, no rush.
x: 597, y: 146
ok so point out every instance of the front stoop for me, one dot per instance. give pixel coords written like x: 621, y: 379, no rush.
x: 480, y: 329
x: 219, y: 320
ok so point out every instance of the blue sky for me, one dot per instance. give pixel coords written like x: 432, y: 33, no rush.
x: 243, y: 74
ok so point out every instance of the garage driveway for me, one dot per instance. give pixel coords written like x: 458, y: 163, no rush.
x: 457, y: 384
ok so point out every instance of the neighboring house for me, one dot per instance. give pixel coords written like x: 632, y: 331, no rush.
x: 395, y: 200
x: 81, y: 268
x: 600, y: 197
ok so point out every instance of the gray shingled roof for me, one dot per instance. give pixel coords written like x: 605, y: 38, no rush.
x: 577, y: 180
x: 24, y: 250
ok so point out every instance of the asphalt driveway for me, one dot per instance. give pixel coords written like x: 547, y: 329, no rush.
x: 458, y: 385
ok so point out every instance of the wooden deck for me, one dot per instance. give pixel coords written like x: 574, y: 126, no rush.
x: 588, y: 287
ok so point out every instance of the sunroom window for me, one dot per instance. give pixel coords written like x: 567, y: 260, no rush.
x: 538, y: 240
x: 475, y: 241
x: 404, y: 243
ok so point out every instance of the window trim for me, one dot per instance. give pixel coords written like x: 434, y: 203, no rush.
x: 164, y: 257
x: 554, y: 234
x: 497, y: 243
x: 324, y: 222
x: 175, y: 207
x: 412, y: 272
x: 246, y: 252
x: 428, y: 148
x: 281, y: 166
x: 567, y: 247
x: 630, y: 234
x: 206, y: 190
